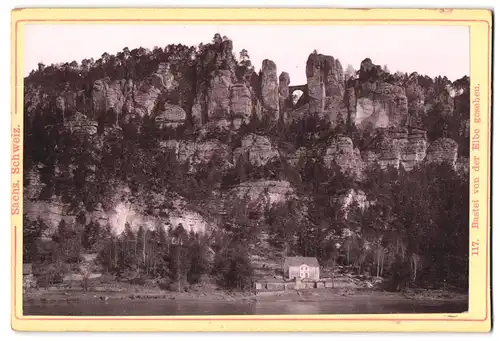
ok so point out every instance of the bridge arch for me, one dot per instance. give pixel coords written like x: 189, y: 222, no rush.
x: 303, y: 97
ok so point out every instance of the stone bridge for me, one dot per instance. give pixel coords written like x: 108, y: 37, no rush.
x: 302, y: 100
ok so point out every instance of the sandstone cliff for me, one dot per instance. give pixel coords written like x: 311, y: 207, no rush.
x: 197, y: 105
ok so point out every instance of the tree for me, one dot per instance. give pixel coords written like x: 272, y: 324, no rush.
x: 179, y: 260
x: 217, y: 39
x: 198, y: 262
x: 32, y: 232
x: 91, y: 235
x: 233, y: 268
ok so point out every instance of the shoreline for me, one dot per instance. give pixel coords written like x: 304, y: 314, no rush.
x: 59, y: 295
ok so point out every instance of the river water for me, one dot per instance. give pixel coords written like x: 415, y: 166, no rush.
x: 171, y: 307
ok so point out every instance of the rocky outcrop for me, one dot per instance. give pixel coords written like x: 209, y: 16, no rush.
x: 241, y: 105
x: 218, y: 99
x: 354, y: 197
x: 413, y: 150
x: 283, y: 91
x: 145, y: 99
x: 163, y: 79
x: 269, y: 89
x: 80, y: 125
x: 198, y: 153
x: 379, y: 104
x: 258, y: 149
x: 126, y: 96
x: 51, y: 212
x: 341, y: 151
x: 315, y: 84
x: 382, y: 106
x: 442, y: 150
x: 325, y: 84
x: 170, y: 116
x: 263, y: 191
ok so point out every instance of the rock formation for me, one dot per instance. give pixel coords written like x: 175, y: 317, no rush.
x: 170, y: 116
x: 80, y: 125
x: 264, y: 191
x: 442, y: 150
x: 269, y: 89
x: 198, y: 153
x: 283, y: 91
x: 341, y: 151
x: 379, y: 104
x: 241, y: 105
x: 325, y: 84
x: 258, y: 148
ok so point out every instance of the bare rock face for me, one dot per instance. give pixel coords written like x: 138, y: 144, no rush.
x: 263, y: 191
x: 139, y: 98
x: 443, y: 150
x: 197, y: 153
x: 98, y: 216
x: 379, y: 104
x: 145, y: 99
x: 341, y: 151
x: 283, y: 91
x: 352, y: 196
x: 414, y: 150
x: 108, y: 96
x: 384, y: 106
x: 163, y: 79
x: 218, y: 99
x: 99, y: 96
x: 80, y: 125
x: 350, y: 100
x: 315, y: 84
x: 170, y: 116
x: 241, y: 105
x: 215, y: 77
x: 269, y: 89
x: 333, y: 77
x: 325, y: 84
x: 115, y: 98
x: 51, y: 212
x: 259, y: 148
x: 190, y: 220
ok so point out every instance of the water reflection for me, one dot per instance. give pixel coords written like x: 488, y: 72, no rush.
x: 172, y: 307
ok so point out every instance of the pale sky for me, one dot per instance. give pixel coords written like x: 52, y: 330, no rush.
x: 431, y: 50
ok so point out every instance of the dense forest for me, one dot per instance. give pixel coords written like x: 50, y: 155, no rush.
x: 410, y: 227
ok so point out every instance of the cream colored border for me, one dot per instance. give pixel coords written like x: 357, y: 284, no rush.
x: 478, y: 317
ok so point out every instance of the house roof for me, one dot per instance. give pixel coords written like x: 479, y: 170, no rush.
x: 298, y: 261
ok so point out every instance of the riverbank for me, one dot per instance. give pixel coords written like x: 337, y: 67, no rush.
x: 308, y: 295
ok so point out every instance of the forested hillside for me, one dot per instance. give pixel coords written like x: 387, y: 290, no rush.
x: 189, y: 164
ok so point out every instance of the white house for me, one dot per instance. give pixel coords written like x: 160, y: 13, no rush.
x: 301, y: 267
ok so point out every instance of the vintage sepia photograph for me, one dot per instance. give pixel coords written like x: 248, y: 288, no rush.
x: 236, y: 169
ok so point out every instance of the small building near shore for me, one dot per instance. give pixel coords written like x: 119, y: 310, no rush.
x: 301, y: 267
